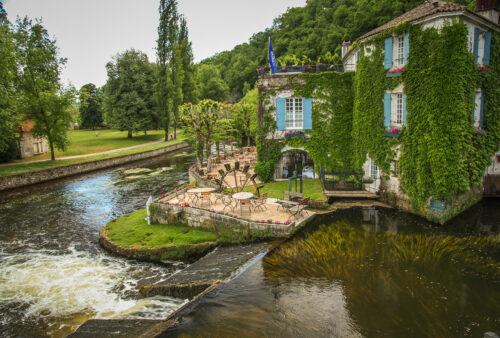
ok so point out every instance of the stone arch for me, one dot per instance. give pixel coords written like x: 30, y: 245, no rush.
x: 294, y: 159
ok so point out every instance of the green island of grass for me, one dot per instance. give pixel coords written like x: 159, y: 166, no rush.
x: 132, y: 237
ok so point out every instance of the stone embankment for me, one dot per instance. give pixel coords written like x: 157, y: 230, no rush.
x: 200, y: 278
x: 35, y: 177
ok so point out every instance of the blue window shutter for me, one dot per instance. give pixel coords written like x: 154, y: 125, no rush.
x: 357, y: 56
x: 388, y: 53
x: 405, y: 112
x: 387, y: 109
x: 476, y: 44
x: 280, y: 114
x: 307, y: 109
x: 407, y: 48
x: 481, y: 111
x: 487, y: 47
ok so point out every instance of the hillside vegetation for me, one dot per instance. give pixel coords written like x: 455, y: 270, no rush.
x: 309, y: 31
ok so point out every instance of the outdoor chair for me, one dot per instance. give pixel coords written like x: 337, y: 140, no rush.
x: 227, y: 200
x: 260, y: 202
x: 180, y: 196
x: 299, y: 209
x: 219, y: 197
x: 205, y: 198
x: 246, y: 205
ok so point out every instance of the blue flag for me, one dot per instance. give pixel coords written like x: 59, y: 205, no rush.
x: 272, y: 57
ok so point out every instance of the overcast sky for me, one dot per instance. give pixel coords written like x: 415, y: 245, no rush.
x: 90, y: 32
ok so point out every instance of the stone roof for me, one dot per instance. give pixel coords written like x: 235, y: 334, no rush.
x: 428, y: 8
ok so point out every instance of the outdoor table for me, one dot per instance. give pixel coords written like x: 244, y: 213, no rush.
x: 200, y: 190
x: 242, y: 195
x: 195, y: 191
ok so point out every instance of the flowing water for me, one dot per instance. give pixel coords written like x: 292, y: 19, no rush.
x: 366, y: 272
x: 53, y: 273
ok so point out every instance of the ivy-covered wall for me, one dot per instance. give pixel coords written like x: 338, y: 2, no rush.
x: 442, y: 154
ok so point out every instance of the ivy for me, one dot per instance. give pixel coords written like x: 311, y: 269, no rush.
x: 442, y: 154
x: 330, y: 143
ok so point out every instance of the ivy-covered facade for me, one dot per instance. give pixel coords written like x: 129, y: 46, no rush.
x: 419, y: 112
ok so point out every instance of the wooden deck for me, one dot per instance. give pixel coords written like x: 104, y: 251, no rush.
x: 350, y: 194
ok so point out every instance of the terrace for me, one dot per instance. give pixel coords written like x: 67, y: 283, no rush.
x: 316, y: 68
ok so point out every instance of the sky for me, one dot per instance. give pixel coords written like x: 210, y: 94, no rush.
x: 90, y: 32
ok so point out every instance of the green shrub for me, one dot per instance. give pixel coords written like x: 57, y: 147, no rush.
x: 10, y: 153
x: 265, y: 171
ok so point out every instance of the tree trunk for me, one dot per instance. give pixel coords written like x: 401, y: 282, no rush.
x: 166, y: 133
x: 217, y: 145
x: 129, y: 134
x: 209, y: 155
x: 52, y: 155
x: 248, y: 140
x: 175, y: 129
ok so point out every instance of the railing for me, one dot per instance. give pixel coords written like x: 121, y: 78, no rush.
x: 317, y: 68
x: 342, y: 181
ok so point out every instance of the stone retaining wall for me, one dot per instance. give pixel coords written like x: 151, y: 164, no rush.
x: 169, y: 213
x: 29, y: 178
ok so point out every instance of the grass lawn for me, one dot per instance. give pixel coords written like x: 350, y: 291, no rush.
x: 133, y: 230
x: 85, y: 142
x: 312, y: 188
x: 17, y: 168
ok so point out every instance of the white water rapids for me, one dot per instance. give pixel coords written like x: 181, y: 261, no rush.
x: 71, y: 287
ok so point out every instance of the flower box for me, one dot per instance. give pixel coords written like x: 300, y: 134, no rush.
x: 289, y: 135
x: 394, y: 72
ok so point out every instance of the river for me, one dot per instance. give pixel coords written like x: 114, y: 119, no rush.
x: 366, y: 272
x: 53, y: 273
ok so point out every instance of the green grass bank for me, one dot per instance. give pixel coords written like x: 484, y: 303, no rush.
x: 19, y: 167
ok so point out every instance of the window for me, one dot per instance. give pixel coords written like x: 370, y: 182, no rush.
x: 477, y: 107
x: 399, y: 108
x: 400, y: 51
x: 395, y: 172
x: 294, y: 114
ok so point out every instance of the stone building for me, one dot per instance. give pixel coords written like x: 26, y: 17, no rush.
x: 29, y: 145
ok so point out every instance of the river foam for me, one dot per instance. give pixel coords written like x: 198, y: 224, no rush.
x: 76, y: 286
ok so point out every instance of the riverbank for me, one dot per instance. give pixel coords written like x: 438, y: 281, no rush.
x: 51, y: 170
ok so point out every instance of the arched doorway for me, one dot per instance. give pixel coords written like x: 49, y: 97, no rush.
x: 294, y: 160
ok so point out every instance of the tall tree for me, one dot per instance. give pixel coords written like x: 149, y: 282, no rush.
x: 189, y: 83
x: 90, y: 107
x: 242, y: 113
x: 9, y: 117
x: 42, y: 99
x: 166, y: 45
x: 210, y: 83
x: 128, y: 99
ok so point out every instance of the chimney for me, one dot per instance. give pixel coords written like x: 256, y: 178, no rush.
x: 346, y: 44
x: 488, y: 9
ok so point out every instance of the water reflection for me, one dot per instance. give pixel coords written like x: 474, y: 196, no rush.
x: 53, y: 273
x: 365, y: 272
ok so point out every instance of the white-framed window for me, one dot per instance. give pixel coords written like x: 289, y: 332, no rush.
x: 294, y: 114
x: 399, y: 51
x: 477, y: 106
x: 399, y: 108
